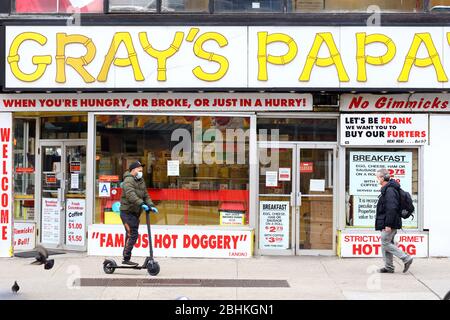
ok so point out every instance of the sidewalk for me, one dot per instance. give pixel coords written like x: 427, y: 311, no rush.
x: 308, y: 278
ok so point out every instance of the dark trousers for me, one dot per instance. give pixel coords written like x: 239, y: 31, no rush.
x: 131, y: 224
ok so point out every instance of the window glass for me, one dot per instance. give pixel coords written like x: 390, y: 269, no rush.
x: 248, y: 6
x: 24, y: 168
x: 58, y: 6
x: 294, y: 129
x: 132, y: 5
x: 185, y: 5
x: 72, y: 127
x: 362, y: 188
x: 196, y: 168
x: 438, y: 5
x: 354, y: 5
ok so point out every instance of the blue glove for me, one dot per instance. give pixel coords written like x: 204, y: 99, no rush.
x: 154, y: 209
x: 145, y: 207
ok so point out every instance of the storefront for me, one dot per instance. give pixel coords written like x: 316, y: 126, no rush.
x: 234, y: 169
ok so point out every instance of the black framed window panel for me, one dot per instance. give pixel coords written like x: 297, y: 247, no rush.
x: 248, y: 6
x: 133, y: 6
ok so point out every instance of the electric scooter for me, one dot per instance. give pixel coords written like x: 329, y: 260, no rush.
x: 109, y: 266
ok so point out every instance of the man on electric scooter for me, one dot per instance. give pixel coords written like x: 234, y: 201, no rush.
x: 134, y: 198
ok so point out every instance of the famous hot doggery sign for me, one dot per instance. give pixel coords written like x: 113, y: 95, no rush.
x: 226, y: 57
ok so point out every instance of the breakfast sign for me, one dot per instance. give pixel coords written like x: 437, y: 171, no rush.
x: 47, y: 57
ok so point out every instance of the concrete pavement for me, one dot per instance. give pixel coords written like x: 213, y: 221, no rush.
x: 308, y: 278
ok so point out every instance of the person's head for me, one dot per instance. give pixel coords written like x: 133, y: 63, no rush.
x: 136, y: 169
x: 383, y: 176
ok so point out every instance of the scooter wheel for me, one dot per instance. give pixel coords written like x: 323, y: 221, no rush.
x: 153, y: 268
x: 109, y: 266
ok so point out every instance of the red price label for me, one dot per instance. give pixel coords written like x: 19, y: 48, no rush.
x: 75, y: 238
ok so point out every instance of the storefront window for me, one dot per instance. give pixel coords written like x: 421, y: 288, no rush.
x: 295, y: 129
x: 196, y: 169
x: 362, y: 188
x: 355, y: 5
x: 24, y: 168
x: 185, y: 5
x: 248, y: 6
x: 132, y: 5
x: 166, y: 5
x: 58, y: 6
x: 72, y: 127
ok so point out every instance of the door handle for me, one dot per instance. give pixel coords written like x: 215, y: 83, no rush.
x: 292, y: 199
x: 299, y: 199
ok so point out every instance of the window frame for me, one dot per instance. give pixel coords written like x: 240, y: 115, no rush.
x: 251, y: 157
x: 419, y: 210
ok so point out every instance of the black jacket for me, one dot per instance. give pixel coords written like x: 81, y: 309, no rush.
x: 388, y: 207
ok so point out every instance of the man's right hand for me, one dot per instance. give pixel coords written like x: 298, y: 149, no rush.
x: 145, y: 207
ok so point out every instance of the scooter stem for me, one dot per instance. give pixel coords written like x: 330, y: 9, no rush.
x: 150, y: 244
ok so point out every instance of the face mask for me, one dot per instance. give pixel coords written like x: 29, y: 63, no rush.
x: 139, y: 175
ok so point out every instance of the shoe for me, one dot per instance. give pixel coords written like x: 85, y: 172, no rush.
x: 385, y: 270
x: 130, y: 263
x: 407, y: 265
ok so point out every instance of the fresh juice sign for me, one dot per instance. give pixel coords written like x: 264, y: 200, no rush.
x: 226, y: 57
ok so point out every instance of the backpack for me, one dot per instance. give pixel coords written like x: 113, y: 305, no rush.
x: 406, y: 204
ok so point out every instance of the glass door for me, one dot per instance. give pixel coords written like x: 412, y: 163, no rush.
x: 315, y: 199
x: 75, y: 195
x: 63, y: 194
x: 276, y: 198
x: 52, y: 201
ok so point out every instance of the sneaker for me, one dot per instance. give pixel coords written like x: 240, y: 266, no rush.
x: 385, y: 270
x: 130, y: 263
x: 407, y: 265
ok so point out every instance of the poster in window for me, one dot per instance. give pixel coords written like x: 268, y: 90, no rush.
x: 75, y: 222
x: 365, y: 188
x: 274, y: 225
x: 50, y: 220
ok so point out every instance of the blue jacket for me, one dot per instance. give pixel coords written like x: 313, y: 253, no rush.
x: 388, y: 207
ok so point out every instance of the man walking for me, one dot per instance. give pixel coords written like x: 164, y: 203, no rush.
x: 134, y: 199
x: 388, y: 221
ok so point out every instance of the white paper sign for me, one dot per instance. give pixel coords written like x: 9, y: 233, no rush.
x: 271, y: 178
x: 365, y: 210
x: 228, y: 218
x: 50, y: 221
x: 384, y: 129
x: 284, y: 174
x: 274, y: 224
x: 364, y: 165
x: 75, y: 222
x: 104, y: 189
x: 74, y: 181
x: 173, y: 168
x: 317, y: 185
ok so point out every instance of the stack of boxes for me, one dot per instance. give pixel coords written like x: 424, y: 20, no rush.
x: 321, y: 223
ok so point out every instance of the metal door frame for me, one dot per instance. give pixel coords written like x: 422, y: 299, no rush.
x: 63, y: 143
x: 296, y: 147
x: 328, y: 252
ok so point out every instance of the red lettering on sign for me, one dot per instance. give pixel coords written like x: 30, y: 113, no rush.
x: 4, y: 237
x: 5, y: 134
